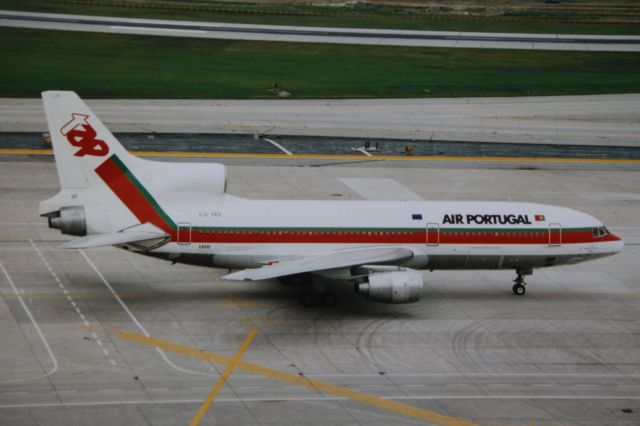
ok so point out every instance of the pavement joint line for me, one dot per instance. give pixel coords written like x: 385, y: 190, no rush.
x: 323, y: 387
x: 233, y: 363
x: 20, y: 151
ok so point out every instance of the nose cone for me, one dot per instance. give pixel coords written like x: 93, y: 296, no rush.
x: 617, y: 245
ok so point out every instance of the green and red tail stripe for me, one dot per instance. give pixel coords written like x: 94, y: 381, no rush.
x: 134, y: 195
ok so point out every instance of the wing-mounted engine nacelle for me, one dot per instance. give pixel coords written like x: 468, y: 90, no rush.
x: 393, y: 287
x: 69, y: 220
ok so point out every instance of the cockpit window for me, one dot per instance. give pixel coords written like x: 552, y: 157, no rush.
x: 600, y: 231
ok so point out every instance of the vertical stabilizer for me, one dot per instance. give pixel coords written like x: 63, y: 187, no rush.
x: 80, y: 141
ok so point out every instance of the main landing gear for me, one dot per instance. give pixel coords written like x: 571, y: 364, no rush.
x: 317, y: 298
x: 519, y: 288
x: 312, y: 292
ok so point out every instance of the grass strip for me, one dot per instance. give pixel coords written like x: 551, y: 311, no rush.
x: 131, y: 66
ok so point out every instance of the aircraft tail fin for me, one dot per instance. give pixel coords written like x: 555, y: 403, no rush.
x: 104, y: 189
x: 80, y: 140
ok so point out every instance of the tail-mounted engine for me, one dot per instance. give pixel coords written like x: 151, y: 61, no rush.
x: 392, y: 287
x: 69, y: 220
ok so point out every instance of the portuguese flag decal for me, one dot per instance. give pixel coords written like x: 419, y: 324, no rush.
x: 539, y: 218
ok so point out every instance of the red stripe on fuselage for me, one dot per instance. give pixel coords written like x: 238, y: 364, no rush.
x: 271, y: 236
x: 130, y: 196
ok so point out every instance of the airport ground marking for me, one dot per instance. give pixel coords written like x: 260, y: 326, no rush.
x: 277, y: 145
x: 186, y: 154
x: 133, y: 318
x: 70, y: 299
x: 35, y: 326
x: 303, y: 381
x: 223, y: 378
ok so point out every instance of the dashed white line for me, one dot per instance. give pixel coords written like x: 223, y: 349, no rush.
x: 99, y: 342
x: 70, y: 299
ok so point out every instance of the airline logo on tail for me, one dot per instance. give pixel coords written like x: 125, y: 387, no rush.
x: 81, y: 134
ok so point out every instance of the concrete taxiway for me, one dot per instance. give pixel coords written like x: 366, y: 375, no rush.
x: 78, y: 327
x: 452, y: 39
x: 580, y: 120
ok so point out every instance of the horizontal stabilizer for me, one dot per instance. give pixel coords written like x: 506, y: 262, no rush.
x: 338, y: 259
x: 144, y: 237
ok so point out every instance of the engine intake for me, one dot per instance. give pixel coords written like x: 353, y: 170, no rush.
x: 393, y: 287
x: 69, y: 220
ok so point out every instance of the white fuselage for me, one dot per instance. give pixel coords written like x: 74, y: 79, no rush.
x: 239, y: 233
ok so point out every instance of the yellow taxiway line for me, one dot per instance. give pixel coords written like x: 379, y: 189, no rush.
x: 185, y: 154
x: 306, y: 382
x: 221, y: 381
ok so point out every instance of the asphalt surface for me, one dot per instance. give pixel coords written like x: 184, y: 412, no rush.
x: 321, y: 145
x: 599, y: 120
x: 73, y: 324
x: 319, y: 35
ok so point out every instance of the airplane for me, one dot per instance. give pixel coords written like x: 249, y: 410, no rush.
x: 181, y: 212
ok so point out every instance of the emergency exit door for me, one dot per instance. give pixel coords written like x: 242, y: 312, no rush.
x: 555, y: 234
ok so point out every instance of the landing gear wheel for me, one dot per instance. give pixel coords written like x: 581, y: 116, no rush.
x: 329, y: 299
x: 519, y: 289
x: 306, y: 298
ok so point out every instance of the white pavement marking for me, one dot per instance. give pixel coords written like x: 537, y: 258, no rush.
x: 135, y: 320
x: 364, y: 151
x: 145, y: 29
x: 69, y: 298
x: 37, y: 328
x: 380, y: 189
x: 277, y: 145
x: 320, y: 398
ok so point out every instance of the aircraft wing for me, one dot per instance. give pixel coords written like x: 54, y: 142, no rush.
x: 313, y: 263
x: 144, y: 237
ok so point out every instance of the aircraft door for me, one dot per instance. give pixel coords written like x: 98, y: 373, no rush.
x: 433, y: 234
x: 555, y: 234
x: 184, y: 233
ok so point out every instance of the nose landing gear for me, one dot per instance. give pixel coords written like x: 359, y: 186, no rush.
x: 519, y: 288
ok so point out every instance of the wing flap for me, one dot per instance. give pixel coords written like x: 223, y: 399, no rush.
x: 338, y: 259
x: 144, y: 237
